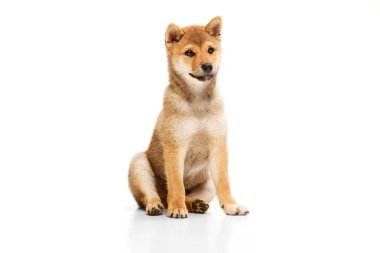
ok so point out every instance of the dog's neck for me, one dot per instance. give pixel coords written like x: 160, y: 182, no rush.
x: 190, y: 92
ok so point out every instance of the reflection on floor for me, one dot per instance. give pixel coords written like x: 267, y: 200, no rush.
x: 205, y: 233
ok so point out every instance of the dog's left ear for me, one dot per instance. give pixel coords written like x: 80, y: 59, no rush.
x: 214, y: 27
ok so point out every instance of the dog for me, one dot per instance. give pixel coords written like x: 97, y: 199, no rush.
x: 186, y: 162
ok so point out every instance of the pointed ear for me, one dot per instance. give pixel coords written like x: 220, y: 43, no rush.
x: 214, y: 27
x: 173, y: 34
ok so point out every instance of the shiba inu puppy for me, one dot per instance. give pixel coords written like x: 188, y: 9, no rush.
x: 186, y: 162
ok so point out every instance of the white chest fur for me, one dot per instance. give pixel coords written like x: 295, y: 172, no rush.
x: 214, y: 126
x: 196, y: 135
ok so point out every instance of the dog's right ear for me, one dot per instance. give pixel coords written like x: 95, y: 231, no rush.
x: 173, y: 34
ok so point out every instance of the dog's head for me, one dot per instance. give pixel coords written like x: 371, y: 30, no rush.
x: 194, y: 51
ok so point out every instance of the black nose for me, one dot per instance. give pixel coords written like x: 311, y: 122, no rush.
x: 207, y: 68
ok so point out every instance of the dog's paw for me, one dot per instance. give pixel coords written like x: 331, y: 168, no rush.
x: 235, y: 209
x: 199, y: 206
x: 177, y: 212
x: 154, y: 208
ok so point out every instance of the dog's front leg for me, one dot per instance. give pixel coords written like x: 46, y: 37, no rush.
x: 174, y: 166
x: 219, y: 173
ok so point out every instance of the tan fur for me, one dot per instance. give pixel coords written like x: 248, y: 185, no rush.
x: 190, y: 138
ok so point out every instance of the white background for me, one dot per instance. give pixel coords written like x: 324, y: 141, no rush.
x: 81, y: 85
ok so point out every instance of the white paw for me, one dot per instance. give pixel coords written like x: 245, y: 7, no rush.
x: 177, y: 212
x: 154, y: 208
x: 235, y: 209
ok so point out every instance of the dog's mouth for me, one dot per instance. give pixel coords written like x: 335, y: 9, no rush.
x: 202, y: 78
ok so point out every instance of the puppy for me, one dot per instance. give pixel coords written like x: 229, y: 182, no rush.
x: 186, y: 162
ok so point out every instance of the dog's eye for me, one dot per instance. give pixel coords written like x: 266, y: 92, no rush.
x: 210, y: 50
x: 189, y: 53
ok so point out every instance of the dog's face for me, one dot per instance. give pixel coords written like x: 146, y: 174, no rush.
x: 194, y: 51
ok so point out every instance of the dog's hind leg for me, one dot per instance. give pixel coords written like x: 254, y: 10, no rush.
x: 142, y: 185
x: 198, y: 199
